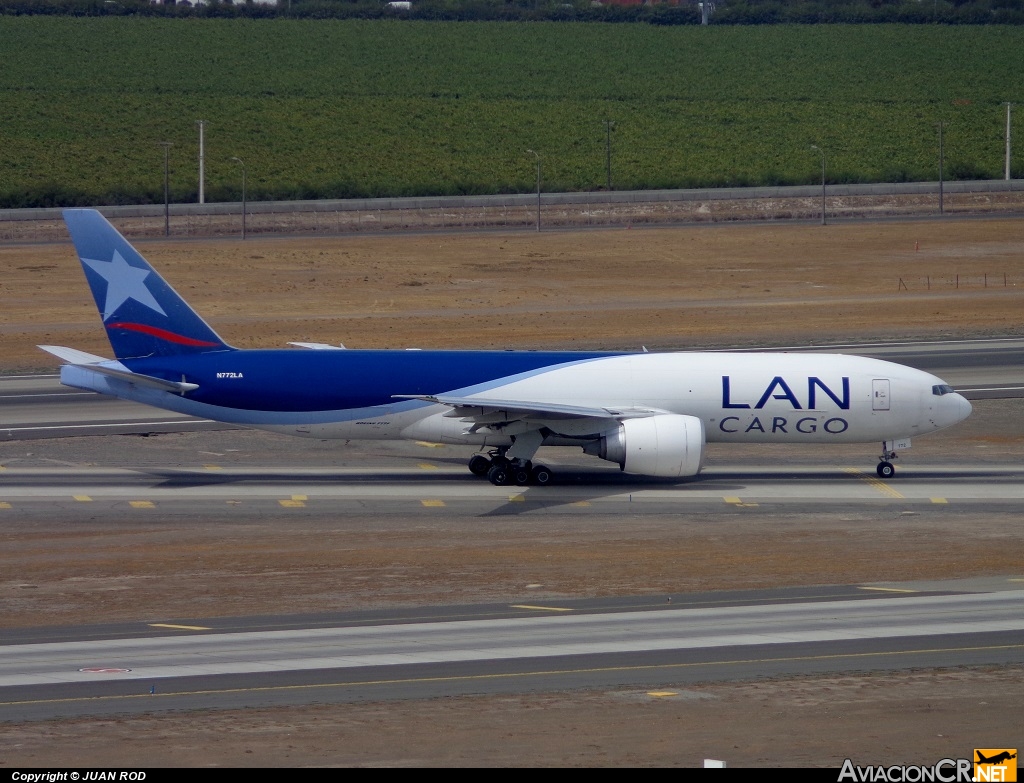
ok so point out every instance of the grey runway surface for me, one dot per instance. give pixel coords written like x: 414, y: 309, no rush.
x: 38, y: 406
x: 549, y: 647
x: 396, y: 489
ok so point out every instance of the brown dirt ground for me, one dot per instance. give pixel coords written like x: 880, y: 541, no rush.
x: 663, y: 288
x: 659, y: 287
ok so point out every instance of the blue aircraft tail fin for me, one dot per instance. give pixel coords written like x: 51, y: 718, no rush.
x: 142, y: 314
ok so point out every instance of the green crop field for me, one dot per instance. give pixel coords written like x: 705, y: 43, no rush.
x: 322, y: 108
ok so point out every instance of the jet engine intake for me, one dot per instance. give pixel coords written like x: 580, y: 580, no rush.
x: 664, y: 445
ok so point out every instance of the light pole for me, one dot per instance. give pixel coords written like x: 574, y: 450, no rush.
x: 609, y: 126
x: 167, y: 191
x: 819, y: 149
x: 1008, y: 105
x: 535, y: 155
x: 202, y: 160
x: 239, y: 161
x: 941, y: 204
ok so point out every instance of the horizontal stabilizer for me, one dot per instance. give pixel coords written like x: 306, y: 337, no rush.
x: 319, y: 346
x: 72, y: 355
x: 178, y: 387
x: 114, y: 369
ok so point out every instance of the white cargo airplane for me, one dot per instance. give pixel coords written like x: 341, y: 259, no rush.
x: 651, y: 413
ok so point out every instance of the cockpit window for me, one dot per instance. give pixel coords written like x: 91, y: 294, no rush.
x: 941, y: 388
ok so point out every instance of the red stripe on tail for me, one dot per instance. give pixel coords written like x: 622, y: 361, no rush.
x: 163, y: 334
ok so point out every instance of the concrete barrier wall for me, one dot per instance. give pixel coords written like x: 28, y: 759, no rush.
x: 519, y: 211
x: 530, y: 199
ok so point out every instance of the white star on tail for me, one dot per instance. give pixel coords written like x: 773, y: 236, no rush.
x: 124, y: 282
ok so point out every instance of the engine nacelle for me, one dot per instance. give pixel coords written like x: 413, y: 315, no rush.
x: 664, y: 445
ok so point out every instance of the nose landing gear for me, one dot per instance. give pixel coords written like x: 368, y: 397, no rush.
x: 885, y: 467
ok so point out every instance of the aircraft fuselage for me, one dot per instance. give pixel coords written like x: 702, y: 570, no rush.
x: 740, y: 397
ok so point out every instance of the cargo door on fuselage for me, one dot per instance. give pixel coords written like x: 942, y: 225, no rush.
x: 880, y: 394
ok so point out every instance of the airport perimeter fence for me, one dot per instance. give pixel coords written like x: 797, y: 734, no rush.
x: 520, y: 212
x: 956, y: 282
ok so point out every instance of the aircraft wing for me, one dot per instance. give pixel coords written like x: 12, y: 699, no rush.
x: 484, y: 410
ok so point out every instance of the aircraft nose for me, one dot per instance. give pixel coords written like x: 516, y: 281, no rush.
x: 965, y: 407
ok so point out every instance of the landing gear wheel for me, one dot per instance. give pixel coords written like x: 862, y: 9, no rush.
x: 521, y: 475
x: 885, y: 470
x: 479, y: 465
x: 540, y: 475
x: 499, y: 475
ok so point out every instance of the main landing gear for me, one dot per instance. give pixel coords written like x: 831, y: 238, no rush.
x: 885, y: 467
x: 502, y: 471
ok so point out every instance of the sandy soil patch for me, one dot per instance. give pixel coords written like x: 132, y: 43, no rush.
x: 663, y: 288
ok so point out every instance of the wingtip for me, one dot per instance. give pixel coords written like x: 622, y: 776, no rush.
x: 72, y: 355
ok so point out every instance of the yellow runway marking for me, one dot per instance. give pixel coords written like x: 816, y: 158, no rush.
x: 541, y: 608
x: 180, y: 627
x: 426, y: 445
x: 939, y: 500
x: 427, y: 466
x: 877, y: 483
x: 662, y: 694
x: 213, y: 467
x: 888, y: 590
x: 5, y: 505
x: 581, y: 503
x: 300, y: 497
x: 292, y: 503
x: 734, y: 501
x: 517, y: 498
x: 82, y: 498
x: 433, y: 503
x: 510, y: 675
x: 142, y: 504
